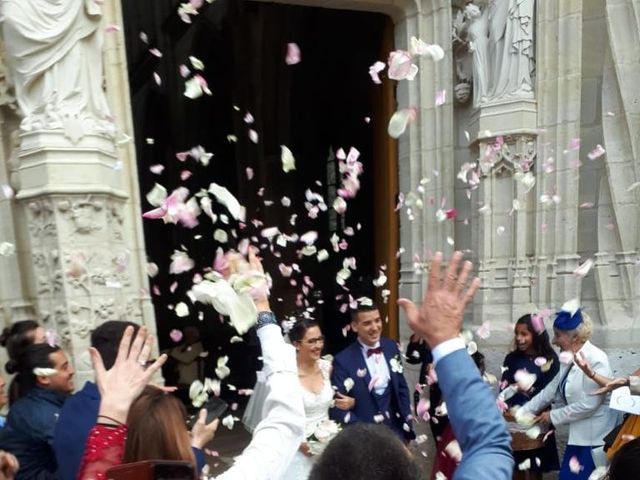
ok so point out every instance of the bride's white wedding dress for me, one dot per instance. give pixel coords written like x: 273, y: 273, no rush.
x: 316, y: 409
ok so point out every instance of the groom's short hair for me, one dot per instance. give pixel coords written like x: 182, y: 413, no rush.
x: 361, y: 308
x: 366, y: 451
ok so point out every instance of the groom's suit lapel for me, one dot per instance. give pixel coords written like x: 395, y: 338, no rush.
x: 359, y: 363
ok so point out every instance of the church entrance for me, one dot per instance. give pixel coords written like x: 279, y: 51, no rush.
x: 319, y: 107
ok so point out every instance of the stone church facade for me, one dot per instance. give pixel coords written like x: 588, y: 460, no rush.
x: 532, y: 204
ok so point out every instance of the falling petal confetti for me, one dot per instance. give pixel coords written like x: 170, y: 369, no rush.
x: 222, y: 371
x: 574, y: 465
x: 400, y: 66
x: 253, y: 136
x: 500, y: 230
x: 180, y: 262
x: 294, y: 56
x: 182, y: 310
x: 287, y: 158
x: 525, y: 380
x: 566, y: 357
x: 596, y: 152
x: 7, y: 191
x: 423, y: 49
x: 441, y: 98
x: 484, y: 330
x: 400, y: 120
x: 375, y: 69
x: 226, y: 198
x: 348, y: 384
x: 197, y: 63
x: 584, y: 269
x: 7, y: 249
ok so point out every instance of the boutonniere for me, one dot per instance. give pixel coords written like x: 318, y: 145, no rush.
x: 396, y: 364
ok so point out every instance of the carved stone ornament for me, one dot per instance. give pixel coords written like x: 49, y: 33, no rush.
x: 507, y: 155
x: 7, y: 97
x: 41, y: 219
x: 82, y: 213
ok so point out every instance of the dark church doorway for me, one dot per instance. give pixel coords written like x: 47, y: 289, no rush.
x: 324, y: 103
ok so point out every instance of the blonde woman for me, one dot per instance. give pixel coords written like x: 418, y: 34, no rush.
x: 577, y: 403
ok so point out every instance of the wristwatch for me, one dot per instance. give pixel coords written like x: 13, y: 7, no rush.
x: 265, y: 318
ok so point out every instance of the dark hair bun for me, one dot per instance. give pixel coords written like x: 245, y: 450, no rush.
x: 11, y: 367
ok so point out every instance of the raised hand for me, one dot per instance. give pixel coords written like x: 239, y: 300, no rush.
x: 203, y: 432
x: 122, y: 384
x: 583, y: 364
x: 439, y: 318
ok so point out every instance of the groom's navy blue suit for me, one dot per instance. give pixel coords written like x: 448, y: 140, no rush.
x: 394, y: 406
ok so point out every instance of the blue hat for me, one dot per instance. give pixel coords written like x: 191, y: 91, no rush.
x: 566, y: 321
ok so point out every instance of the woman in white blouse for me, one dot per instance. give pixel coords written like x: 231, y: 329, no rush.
x: 576, y: 402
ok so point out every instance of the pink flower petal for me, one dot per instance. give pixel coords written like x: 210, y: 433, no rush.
x: 249, y: 172
x: 374, y: 70
x: 584, y: 269
x: 294, y: 56
x: 400, y: 66
x: 441, y: 97
x: 157, y: 169
x: 596, y: 152
x: 175, y: 335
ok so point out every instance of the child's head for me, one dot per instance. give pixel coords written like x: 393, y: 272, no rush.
x: 528, y: 340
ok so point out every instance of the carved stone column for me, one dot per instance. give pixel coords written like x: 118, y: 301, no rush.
x: 504, y: 144
x: 78, y: 224
x: 72, y: 220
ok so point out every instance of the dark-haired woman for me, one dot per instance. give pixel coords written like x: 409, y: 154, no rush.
x: 315, y: 378
x: 533, y: 355
x: 16, y: 339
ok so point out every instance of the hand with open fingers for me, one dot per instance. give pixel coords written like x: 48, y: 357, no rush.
x: 583, y: 364
x: 440, y: 316
x: 122, y: 384
x: 8, y: 465
x: 612, y: 385
x: 543, y: 417
x: 262, y: 294
x: 344, y: 402
x: 202, y: 432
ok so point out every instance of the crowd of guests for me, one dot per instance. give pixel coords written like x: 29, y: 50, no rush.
x: 350, y: 417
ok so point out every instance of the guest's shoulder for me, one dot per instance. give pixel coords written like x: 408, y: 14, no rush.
x: 594, y: 353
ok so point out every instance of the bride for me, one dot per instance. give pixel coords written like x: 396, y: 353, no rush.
x: 315, y: 377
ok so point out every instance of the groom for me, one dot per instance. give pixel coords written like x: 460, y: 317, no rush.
x: 370, y: 370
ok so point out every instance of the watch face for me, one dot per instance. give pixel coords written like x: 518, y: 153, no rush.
x: 266, y: 318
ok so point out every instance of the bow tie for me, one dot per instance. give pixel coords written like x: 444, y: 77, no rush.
x: 373, y: 351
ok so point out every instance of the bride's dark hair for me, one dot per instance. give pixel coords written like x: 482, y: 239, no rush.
x: 297, y: 332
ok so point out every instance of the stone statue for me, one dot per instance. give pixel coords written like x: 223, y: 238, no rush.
x: 54, y: 55
x: 478, y: 38
x: 511, y: 26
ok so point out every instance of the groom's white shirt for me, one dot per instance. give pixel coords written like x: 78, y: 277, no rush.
x: 377, y: 366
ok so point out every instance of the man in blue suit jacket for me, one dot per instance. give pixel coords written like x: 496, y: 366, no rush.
x: 370, y: 371
x: 371, y: 452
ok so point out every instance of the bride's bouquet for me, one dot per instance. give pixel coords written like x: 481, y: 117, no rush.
x: 321, y: 435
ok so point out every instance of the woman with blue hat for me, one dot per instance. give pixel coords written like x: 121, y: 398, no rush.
x: 574, y: 398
